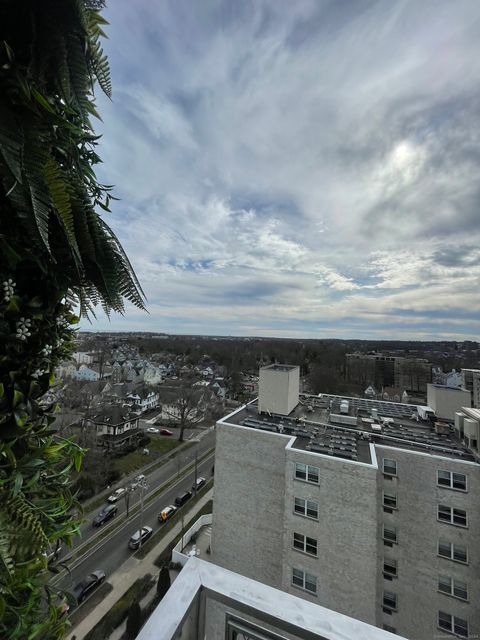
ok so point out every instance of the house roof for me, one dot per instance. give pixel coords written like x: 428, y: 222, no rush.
x: 113, y: 415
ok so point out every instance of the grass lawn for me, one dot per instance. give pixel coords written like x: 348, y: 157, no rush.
x: 136, y: 459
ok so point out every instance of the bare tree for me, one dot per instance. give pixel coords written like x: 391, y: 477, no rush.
x: 187, y: 407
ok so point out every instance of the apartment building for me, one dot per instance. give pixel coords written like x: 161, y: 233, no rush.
x: 411, y: 374
x: 351, y: 504
x: 471, y: 382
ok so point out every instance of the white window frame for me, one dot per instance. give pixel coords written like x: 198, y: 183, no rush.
x: 451, y: 555
x: 305, y: 578
x: 452, y: 587
x: 386, y: 595
x: 385, y: 471
x: 390, y: 500
x: 302, y: 543
x: 394, y: 540
x: 452, y: 624
x: 453, y: 516
x: 452, y: 478
x: 311, y: 474
x: 307, y: 505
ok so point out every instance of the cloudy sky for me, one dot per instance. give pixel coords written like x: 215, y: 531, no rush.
x: 306, y: 168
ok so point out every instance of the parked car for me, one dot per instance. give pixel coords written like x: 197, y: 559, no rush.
x: 117, y: 494
x: 88, y: 585
x: 199, y: 484
x: 165, y: 432
x: 106, y: 514
x: 152, y: 430
x: 138, y: 480
x: 53, y: 552
x: 167, y: 513
x: 135, y: 539
x: 182, y: 498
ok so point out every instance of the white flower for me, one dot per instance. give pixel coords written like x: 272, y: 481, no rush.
x: 38, y: 372
x: 47, y: 350
x: 22, y: 328
x: 8, y: 289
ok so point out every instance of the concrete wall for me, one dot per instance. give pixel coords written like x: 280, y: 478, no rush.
x: 278, y: 389
x: 177, y: 553
x: 346, y: 566
x: 445, y: 401
x: 418, y: 533
x: 247, y: 529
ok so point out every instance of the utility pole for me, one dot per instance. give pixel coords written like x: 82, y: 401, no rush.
x: 143, y: 487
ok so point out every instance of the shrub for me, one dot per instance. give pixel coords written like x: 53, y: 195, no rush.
x: 163, y: 584
x: 134, y: 621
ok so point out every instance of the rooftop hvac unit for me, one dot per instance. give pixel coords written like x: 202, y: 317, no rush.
x: 377, y: 428
x: 442, y: 428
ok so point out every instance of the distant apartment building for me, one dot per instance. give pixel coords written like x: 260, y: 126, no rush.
x: 356, y: 505
x: 471, y: 382
x: 407, y: 374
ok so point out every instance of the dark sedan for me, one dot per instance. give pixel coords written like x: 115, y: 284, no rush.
x: 87, y: 586
x: 106, y: 514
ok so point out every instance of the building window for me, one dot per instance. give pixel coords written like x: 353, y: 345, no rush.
x: 389, y: 467
x: 452, y: 515
x: 387, y: 627
x: 452, y: 551
x: 390, y: 599
x: 453, y: 624
x: 389, y: 533
x: 306, y: 472
x: 390, y: 567
x: 305, y: 544
x: 452, y: 480
x: 390, y: 499
x: 453, y: 587
x: 304, y: 580
x: 307, y: 508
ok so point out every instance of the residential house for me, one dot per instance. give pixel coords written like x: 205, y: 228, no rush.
x: 86, y: 373
x: 116, y: 427
x: 142, y: 399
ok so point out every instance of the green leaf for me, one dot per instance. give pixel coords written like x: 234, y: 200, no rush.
x: 18, y: 483
x: 2, y: 390
x: 17, y: 397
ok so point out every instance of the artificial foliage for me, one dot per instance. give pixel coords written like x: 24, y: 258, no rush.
x: 57, y: 256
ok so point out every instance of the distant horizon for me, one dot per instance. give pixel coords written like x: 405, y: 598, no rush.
x: 260, y: 337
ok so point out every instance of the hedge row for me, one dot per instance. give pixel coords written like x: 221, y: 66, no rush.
x: 117, y: 614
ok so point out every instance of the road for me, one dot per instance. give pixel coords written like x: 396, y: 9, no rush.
x: 170, y: 469
x: 114, y: 551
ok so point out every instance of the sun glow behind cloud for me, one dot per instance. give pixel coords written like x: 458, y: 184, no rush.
x: 303, y: 169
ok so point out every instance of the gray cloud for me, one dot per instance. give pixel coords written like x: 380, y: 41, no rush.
x: 297, y: 166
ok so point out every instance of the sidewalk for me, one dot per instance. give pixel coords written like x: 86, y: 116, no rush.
x: 130, y: 570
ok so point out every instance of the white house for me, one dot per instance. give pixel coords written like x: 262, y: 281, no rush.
x: 142, y: 399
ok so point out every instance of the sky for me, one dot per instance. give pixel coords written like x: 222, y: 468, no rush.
x: 296, y: 169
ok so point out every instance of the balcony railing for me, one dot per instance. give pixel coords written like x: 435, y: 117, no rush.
x: 207, y: 602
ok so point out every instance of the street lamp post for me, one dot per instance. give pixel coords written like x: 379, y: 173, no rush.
x: 143, y: 487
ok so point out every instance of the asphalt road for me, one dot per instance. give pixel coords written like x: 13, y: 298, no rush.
x: 153, y: 479
x: 110, y: 555
x: 114, y: 551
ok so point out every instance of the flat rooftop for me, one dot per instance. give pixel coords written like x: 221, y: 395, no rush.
x: 319, y: 426
x: 280, y: 367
